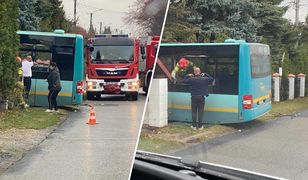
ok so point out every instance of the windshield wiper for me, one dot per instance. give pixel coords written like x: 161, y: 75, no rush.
x: 96, y: 61
x: 122, y: 61
x: 154, y: 165
x: 102, y: 61
x: 111, y: 61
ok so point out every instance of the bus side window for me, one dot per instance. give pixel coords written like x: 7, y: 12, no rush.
x: 39, y: 72
x: 64, y: 57
x: 227, y: 76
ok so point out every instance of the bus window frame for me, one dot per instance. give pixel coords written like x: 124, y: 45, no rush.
x: 182, y: 87
x: 53, y: 42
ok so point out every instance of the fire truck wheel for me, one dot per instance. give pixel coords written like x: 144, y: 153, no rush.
x: 92, y: 96
x: 135, y: 96
x: 132, y: 96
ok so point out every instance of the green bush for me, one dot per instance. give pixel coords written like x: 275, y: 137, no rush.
x: 8, y: 46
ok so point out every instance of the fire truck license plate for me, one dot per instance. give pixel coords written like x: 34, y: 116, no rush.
x: 108, y: 83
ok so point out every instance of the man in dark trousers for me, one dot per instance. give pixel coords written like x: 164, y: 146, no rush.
x: 199, y: 83
x: 27, y: 64
x: 54, y: 87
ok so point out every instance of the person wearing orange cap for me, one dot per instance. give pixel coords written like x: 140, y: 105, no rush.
x: 183, y: 66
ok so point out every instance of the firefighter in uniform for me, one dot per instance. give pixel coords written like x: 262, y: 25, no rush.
x: 182, y: 68
x: 19, y: 87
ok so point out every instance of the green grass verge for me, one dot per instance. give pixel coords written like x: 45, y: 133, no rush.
x: 30, y: 118
x: 178, y: 135
x: 157, y: 145
x: 286, y: 108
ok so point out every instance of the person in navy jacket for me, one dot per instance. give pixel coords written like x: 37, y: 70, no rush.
x: 199, y: 83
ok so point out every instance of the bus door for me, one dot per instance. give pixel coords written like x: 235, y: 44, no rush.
x: 38, y: 47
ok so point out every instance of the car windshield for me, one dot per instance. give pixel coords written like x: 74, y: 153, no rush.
x: 116, y: 54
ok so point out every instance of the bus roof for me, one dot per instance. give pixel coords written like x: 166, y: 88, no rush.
x: 197, y: 44
x: 52, y: 34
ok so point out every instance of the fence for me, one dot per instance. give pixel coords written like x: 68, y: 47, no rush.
x: 288, y: 88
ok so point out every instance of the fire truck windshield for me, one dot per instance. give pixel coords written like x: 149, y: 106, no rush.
x: 115, y: 54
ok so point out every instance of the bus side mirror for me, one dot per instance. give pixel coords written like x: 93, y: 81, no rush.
x: 90, y: 46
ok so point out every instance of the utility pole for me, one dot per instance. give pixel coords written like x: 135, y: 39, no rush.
x: 75, y: 18
x: 296, y: 12
x: 100, y: 27
x: 91, y: 25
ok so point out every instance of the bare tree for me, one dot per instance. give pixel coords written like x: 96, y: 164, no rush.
x: 147, y: 15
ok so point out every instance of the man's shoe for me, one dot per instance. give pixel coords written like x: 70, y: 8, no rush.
x: 49, y: 110
x: 200, y: 128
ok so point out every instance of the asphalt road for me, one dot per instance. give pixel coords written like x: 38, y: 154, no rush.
x: 277, y: 148
x: 79, y: 151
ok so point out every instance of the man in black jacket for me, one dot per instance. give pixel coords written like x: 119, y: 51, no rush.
x: 199, y: 83
x: 54, y: 87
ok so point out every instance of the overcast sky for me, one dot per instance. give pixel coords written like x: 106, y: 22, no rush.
x: 113, y: 11
x: 291, y: 11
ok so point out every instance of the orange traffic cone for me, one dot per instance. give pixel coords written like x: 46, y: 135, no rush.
x: 92, y: 120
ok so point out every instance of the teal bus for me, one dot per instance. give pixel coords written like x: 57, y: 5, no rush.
x: 241, y: 90
x: 64, y: 49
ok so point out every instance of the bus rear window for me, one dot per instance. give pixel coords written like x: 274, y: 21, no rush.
x: 260, y: 61
x: 220, y: 61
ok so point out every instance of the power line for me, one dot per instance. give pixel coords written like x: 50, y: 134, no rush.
x: 87, y: 6
x: 75, y: 13
x: 80, y: 9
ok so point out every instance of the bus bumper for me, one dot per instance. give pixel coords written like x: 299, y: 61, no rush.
x: 256, y: 112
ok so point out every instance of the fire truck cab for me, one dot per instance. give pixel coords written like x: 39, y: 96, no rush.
x: 112, y: 66
x: 148, y: 52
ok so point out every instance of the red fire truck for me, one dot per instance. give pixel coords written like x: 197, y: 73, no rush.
x: 112, y: 66
x: 150, y: 53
